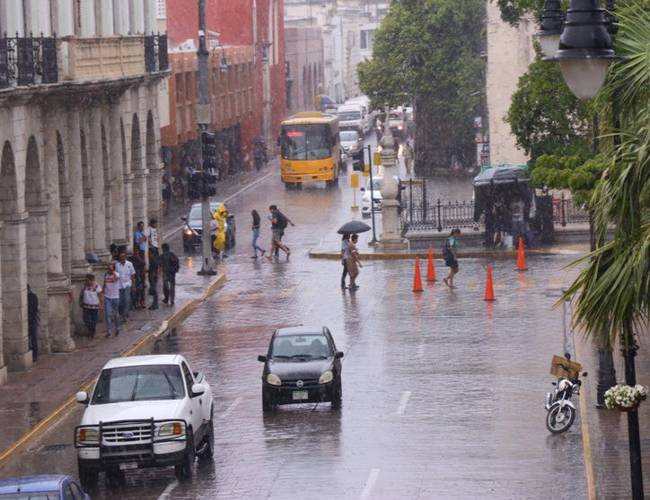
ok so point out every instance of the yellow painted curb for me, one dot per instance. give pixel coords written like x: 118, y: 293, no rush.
x: 61, y: 411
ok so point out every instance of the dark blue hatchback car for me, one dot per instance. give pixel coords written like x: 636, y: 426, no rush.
x: 45, y: 487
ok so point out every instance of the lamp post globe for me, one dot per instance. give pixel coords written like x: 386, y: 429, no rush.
x: 550, y: 27
x: 585, y: 49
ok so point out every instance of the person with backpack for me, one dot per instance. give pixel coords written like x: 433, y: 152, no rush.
x: 279, y: 223
x: 450, y: 254
x: 170, y: 266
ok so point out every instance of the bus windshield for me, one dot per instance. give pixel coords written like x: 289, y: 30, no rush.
x: 306, y: 142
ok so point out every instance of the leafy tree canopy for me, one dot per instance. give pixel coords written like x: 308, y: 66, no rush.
x: 544, y: 115
x: 513, y: 10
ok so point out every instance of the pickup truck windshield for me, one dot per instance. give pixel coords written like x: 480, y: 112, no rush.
x: 345, y: 116
x: 139, y: 383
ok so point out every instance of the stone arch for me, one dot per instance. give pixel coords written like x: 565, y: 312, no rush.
x: 34, y: 192
x: 139, y: 190
x: 154, y: 195
x: 9, y: 184
x: 106, y: 167
x: 87, y: 185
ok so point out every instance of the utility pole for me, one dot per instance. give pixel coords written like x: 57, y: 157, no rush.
x: 204, y: 118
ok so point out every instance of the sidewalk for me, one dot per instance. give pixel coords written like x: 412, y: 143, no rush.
x: 30, y: 398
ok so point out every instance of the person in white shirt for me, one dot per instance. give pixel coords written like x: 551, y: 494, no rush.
x: 127, y: 278
x: 112, y: 300
x: 152, y: 237
x: 90, y: 301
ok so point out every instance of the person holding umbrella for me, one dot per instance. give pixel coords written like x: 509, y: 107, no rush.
x: 349, y: 251
x: 352, y: 263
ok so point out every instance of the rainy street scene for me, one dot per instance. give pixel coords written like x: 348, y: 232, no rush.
x: 333, y: 249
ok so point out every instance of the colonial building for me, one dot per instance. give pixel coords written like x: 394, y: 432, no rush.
x: 304, y: 53
x: 80, y: 153
x: 257, y: 24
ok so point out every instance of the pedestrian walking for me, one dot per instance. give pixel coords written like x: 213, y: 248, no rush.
x: 90, y: 303
x: 345, y: 243
x: 169, y: 265
x: 407, y: 154
x: 220, y: 216
x: 152, y: 237
x: 352, y: 262
x: 32, y: 322
x: 140, y: 266
x: 112, y: 300
x: 450, y: 254
x: 126, y: 270
x: 256, y: 233
x: 279, y: 223
x: 139, y: 238
x: 154, y: 270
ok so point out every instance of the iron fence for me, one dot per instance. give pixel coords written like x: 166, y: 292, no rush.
x: 28, y: 60
x: 155, y: 53
x: 418, y: 213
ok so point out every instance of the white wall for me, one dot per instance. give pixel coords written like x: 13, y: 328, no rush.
x: 11, y: 17
x: 64, y: 18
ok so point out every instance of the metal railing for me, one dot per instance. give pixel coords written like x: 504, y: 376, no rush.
x: 155, y: 53
x: 28, y: 60
x: 565, y: 211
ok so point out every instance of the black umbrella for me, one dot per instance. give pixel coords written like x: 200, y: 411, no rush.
x: 354, y: 226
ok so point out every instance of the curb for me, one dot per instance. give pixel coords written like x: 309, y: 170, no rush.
x: 502, y: 254
x: 61, y: 411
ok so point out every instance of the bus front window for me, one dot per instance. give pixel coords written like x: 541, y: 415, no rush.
x: 306, y: 142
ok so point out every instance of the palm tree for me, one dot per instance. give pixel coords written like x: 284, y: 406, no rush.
x: 612, y: 291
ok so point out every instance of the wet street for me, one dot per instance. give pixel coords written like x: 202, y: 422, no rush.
x: 442, y: 392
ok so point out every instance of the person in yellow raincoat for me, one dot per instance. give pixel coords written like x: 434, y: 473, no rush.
x: 220, y: 215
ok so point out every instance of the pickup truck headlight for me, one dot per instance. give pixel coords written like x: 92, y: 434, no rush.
x: 188, y: 231
x: 171, y: 429
x: 88, y: 435
x: 273, y: 379
x: 326, y: 377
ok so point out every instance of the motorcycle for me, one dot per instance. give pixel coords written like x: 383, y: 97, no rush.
x: 561, y: 411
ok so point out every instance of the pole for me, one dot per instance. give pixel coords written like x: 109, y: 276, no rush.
x: 636, y: 470
x: 372, y: 198
x: 204, y: 118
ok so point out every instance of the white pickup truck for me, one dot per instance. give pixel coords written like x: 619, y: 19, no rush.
x: 145, y: 411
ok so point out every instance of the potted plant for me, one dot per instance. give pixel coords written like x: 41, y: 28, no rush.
x: 624, y: 397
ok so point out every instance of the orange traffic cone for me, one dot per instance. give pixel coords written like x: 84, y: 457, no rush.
x: 521, y: 257
x: 417, y: 278
x: 489, y: 288
x: 431, y: 267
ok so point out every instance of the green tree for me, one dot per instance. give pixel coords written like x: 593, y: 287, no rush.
x: 513, y: 10
x: 429, y: 52
x: 545, y: 117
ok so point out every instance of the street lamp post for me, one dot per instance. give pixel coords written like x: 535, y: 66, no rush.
x: 585, y: 52
x: 204, y: 118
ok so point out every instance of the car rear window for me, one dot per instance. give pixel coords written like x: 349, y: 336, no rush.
x: 139, y: 383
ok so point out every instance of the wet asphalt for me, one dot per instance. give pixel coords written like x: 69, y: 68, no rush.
x: 442, y: 392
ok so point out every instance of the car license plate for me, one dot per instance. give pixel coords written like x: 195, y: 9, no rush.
x: 129, y: 466
x: 300, y: 395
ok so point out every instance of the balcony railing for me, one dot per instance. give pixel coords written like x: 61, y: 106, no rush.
x: 27, y: 60
x: 155, y: 53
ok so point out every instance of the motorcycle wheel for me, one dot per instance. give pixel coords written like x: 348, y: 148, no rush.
x: 559, y: 419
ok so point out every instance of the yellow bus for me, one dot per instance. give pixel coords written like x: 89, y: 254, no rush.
x: 309, y: 149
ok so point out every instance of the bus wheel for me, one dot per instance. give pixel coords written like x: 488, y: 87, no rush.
x: 288, y: 185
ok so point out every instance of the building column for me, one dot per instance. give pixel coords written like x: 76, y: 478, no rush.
x: 79, y: 265
x: 66, y: 234
x: 37, y: 266
x: 3, y: 367
x: 97, y: 178
x: 14, y: 293
x: 128, y: 208
x: 117, y: 191
x: 58, y: 285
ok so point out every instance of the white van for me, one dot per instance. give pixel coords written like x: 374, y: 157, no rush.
x: 364, y: 101
x: 352, y: 116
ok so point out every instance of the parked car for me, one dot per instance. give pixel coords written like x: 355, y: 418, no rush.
x: 42, y: 487
x: 302, y: 365
x: 145, y: 411
x: 352, y: 144
x: 194, y: 227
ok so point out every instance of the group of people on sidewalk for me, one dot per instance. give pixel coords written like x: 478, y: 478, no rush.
x: 279, y: 222
x: 124, y: 282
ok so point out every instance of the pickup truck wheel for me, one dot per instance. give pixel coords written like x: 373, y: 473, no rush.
x: 208, y: 450
x: 87, y: 476
x: 184, y: 470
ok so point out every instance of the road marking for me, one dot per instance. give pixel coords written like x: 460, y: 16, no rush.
x: 231, y: 407
x: 404, y: 400
x: 168, y: 491
x: 225, y: 200
x: 370, y: 482
x: 586, y: 439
